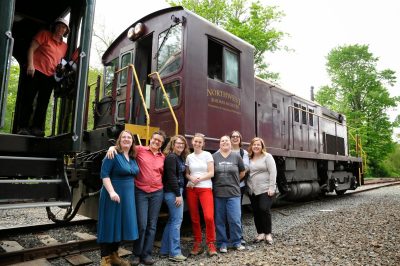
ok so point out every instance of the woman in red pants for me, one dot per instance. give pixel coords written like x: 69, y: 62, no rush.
x: 200, y: 170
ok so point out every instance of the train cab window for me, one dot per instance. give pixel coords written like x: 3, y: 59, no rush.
x: 296, y: 112
x: 109, y: 76
x: 311, y: 117
x: 173, y: 91
x: 169, y: 56
x: 223, y: 63
x: 121, y: 110
x: 304, y: 115
x: 126, y: 59
x: 231, y: 63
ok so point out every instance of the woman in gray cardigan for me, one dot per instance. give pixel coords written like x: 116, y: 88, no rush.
x: 261, y: 185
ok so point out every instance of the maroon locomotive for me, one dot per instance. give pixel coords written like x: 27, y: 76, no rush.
x: 208, y: 77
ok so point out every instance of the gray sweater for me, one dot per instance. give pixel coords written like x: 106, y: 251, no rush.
x: 262, y: 175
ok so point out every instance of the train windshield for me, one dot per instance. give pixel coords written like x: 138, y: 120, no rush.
x: 169, y: 50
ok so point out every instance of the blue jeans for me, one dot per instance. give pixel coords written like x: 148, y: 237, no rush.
x: 171, y: 239
x: 228, y: 210
x: 147, y: 208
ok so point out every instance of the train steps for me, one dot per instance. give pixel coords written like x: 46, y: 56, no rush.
x: 34, y: 181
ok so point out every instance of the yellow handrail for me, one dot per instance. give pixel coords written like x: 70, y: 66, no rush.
x: 168, y: 101
x: 144, y: 104
x: 141, y: 97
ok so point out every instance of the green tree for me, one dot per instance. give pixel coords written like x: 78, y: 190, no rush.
x: 11, y: 97
x: 392, y: 163
x: 253, y: 22
x: 359, y: 91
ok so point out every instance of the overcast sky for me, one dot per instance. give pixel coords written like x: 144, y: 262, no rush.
x: 315, y: 28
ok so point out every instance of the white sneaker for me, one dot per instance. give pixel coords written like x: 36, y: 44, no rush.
x: 223, y: 250
x: 240, y: 247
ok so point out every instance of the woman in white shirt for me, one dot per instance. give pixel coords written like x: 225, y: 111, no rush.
x: 200, y: 170
x: 261, y: 185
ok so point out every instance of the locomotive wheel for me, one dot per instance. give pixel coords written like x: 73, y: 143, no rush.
x: 340, y: 192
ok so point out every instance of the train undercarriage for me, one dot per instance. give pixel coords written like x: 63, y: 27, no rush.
x: 303, y: 179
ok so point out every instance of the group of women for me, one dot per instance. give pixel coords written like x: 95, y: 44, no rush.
x: 213, y: 182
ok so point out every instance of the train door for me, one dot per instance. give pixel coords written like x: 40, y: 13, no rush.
x: 312, y: 131
x: 304, y: 129
x: 278, y: 119
x: 125, y: 59
x: 296, y: 128
x: 142, y: 61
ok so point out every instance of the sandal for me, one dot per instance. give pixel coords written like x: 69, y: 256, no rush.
x: 268, y: 239
x: 259, y: 238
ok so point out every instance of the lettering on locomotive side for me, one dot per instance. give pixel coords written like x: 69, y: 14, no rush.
x: 223, y: 100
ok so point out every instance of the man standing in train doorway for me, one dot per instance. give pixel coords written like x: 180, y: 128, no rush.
x: 44, y: 54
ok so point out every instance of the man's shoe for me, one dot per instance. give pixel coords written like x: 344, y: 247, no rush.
x: 223, y: 250
x: 197, y: 249
x: 212, y: 251
x: 135, y: 261
x: 240, y: 247
x: 178, y: 258
x: 148, y: 261
x: 23, y: 131
x: 37, y: 132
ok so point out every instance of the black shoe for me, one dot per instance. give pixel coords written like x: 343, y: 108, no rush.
x: 136, y: 261
x: 23, y: 131
x: 37, y: 132
x: 148, y: 261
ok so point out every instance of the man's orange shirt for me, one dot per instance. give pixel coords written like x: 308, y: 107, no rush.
x: 49, y: 53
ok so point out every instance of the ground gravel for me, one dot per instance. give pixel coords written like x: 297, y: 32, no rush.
x: 357, y: 229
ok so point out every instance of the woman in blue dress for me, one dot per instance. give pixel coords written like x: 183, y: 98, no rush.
x: 117, y: 211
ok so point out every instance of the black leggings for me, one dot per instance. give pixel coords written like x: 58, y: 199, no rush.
x: 261, y: 205
x: 107, y: 249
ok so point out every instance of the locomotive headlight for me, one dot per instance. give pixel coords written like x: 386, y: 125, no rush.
x: 135, y: 32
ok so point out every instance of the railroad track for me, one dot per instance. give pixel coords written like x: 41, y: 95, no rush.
x: 72, y: 250
x: 369, y: 185
x: 81, y: 239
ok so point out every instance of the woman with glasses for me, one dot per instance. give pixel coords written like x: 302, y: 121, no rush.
x: 261, y: 184
x: 174, y: 182
x: 236, y: 140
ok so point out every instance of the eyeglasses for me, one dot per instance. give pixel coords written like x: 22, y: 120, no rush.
x: 179, y: 143
x: 235, y: 137
x: 158, y: 140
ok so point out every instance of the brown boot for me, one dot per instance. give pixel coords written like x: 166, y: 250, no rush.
x: 117, y: 260
x: 105, y: 261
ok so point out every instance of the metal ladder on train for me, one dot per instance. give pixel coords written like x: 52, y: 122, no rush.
x: 33, y: 181
x: 147, y: 130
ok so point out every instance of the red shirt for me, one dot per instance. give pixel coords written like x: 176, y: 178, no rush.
x: 49, y: 53
x: 151, y: 169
